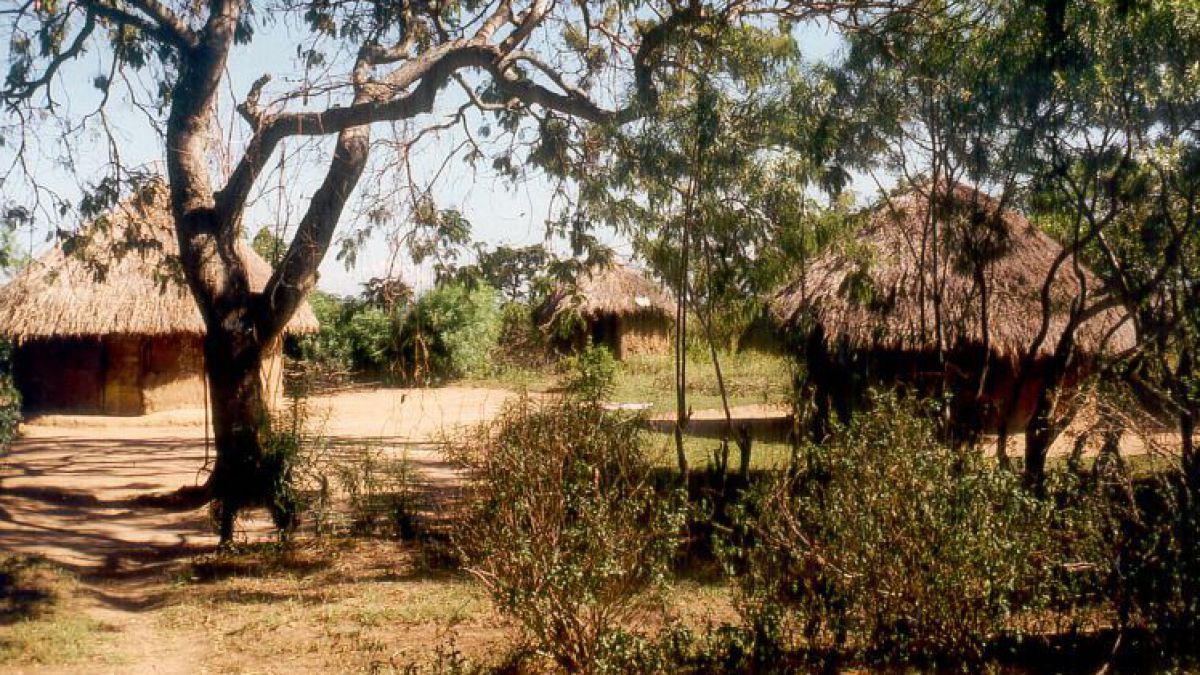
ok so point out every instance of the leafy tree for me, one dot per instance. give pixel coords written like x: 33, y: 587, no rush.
x: 268, y: 245
x: 717, y: 194
x: 375, y: 61
x: 512, y: 271
x: 451, y: 332
x: 1083, y: 114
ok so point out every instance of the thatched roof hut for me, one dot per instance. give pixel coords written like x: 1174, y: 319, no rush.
x: 107, y: 324
x: 875, y: 294
x: 615, y: 306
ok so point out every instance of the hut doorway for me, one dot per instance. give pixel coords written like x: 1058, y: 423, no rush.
x: 55, y: 375
x: 606, y: 331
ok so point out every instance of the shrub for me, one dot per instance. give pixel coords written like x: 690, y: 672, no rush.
x: 451, y: 332
x: 1156, y: 579
x: 370, y: 339
x: 10, y: 398
x: 591, y: 373
x: 564, y: 527
x: 524, y: 343
x: 886, y: 542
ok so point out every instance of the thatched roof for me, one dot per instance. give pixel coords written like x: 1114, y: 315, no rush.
x: 124, y: 279
x: 870, y: 290
x: 612, y: 290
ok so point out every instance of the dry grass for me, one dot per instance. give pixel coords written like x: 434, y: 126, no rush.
x: 334, y: 606
x: 127, y: 263
x: 40, y: 618
x: 613, y: 290
x: 346, y: 606
x: 870, y: 291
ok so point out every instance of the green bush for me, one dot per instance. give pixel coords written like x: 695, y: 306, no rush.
x: 451, y: 332
x: 891, y: 545
x: 353, y: 336
x: 591, y: 374
x: 1156, y: 581
x: 10, y: 398
x: 525, y: 345
x: 565, y: 528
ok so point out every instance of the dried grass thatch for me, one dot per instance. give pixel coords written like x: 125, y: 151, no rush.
x: 124, y: 278
x: 870, y: 290
x: 612, y: 290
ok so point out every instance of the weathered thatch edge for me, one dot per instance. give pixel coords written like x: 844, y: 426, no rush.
x: 125, y: 281
x: 883, y: 258
x: 611, y: 290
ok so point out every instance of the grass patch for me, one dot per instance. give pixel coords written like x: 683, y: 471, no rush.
x: 764, y: 455
x: 40, y: 619
x: 750, y: 377
x: 347, y: 605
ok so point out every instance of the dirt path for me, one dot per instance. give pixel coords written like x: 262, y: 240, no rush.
x: 68, y: 485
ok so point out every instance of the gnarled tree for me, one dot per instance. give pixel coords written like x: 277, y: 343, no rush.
x: 567, y: 65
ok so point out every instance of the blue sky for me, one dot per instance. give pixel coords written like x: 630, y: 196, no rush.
x: 500, y: 211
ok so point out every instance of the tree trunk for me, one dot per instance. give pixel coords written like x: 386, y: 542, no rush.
x: 245, y: 473
x: 1039, y: 435
x: 1042, y: 428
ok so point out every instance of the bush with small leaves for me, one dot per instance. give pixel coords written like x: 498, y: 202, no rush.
x: 888, y: 544
x: 10, y: 398
x: 591, y: 373
x: 565, y: 528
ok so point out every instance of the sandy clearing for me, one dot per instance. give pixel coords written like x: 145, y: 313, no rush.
x: 66, y: 486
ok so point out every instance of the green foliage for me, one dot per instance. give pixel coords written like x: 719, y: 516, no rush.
x: 451, y: 332
x: 565, y: 528
x: 591, y: 373
x: 511, y: 271
x: 370, y: 335
x: 268, y: 245
x: 524, y: 345
x: 1156, y: 583
x: 10, y: 398
x: 353, y: 336
x: 888, y: 542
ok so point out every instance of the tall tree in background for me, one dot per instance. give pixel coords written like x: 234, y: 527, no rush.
x: 714, y: 188
x: 374, y: 61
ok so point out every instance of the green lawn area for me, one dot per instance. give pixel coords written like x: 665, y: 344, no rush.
x: 701, y: 451
x: 750, y: 378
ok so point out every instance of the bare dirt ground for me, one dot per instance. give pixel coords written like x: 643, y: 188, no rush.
x: 68, y: 485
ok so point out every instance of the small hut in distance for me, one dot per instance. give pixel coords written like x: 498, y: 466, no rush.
x: 868, y: 309
x: 614, y: 306
x: 112, y: 328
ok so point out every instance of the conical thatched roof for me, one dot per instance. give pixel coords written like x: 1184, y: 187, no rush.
x: 125, y: 280
x: 614, y: 290
x: 870, y: 290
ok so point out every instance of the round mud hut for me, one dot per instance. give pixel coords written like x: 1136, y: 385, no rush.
x: 106, y: 325
x: 869, y: 310
x: 614, y: 306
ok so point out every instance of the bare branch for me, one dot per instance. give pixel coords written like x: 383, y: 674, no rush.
x: 168, y: 20
x: 26, y: 89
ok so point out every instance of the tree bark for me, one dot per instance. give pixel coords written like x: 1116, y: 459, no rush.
x: 1042, y: 428
x: 245, y: 473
